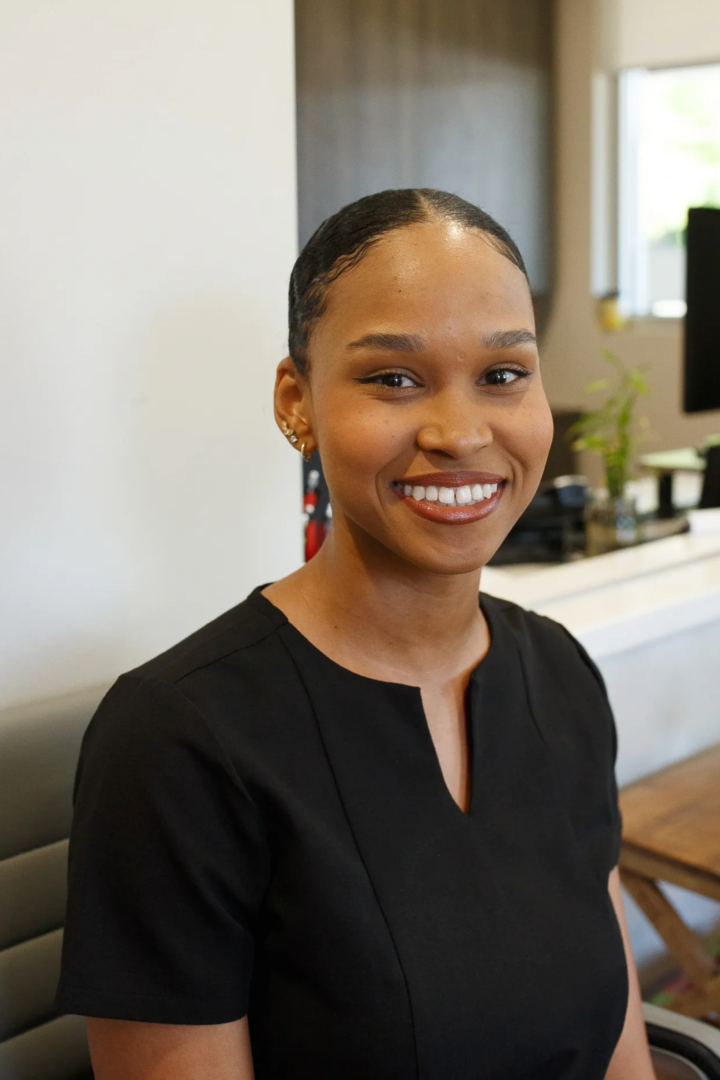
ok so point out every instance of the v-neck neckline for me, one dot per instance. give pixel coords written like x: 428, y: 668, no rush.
x: 413, y: 694
x: 279, y: 617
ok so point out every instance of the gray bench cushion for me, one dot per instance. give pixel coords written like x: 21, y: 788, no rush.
x: 39, y: 746
x: 32, y: 893
x: 53, y: 1051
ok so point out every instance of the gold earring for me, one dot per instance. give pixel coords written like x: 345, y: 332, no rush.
x: 288, y: 433
x: 306, y: 454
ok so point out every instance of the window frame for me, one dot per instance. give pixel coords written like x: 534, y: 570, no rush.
x: 619, y: 263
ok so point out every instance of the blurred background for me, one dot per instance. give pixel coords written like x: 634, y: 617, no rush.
x: 160, y: 164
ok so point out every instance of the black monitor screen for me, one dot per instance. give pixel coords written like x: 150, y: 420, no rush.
x: 702, y: 322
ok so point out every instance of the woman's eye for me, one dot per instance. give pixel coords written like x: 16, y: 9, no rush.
x: 504, y: 376
x: 394, y: 380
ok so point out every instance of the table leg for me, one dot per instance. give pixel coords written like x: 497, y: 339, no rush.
x: 666, y: 506
x: 684, y: 946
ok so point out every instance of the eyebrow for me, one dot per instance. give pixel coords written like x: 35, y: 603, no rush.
x: 414, y: 343
x: 390, y: 342
x: 508, y: 339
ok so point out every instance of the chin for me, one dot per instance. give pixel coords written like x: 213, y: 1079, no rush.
x: 444, y: 549
x: 451, y: 559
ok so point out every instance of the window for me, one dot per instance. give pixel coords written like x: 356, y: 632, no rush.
x: 669, y: 160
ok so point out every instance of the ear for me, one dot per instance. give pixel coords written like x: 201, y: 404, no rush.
x: 293, y: 407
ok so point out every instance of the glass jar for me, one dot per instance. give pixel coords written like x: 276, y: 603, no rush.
x: 611, y: 523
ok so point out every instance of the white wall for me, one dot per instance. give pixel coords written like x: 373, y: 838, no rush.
x: 147, y: 230
x: 660, y: 32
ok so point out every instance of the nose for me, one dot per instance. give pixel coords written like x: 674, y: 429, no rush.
x: 455, y: 428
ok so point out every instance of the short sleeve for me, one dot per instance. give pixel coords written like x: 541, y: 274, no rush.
x: 607, y: 757
x: 168, y: 866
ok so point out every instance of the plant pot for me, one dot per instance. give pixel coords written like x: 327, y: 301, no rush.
x: 610, y: 524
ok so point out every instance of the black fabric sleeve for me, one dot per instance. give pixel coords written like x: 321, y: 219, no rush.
x: 615, y: 827
x: 168, y: 866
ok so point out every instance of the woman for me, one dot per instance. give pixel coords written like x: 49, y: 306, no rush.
x: 361, y: 826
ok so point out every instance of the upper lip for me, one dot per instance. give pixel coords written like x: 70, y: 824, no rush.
x: 452, y: 479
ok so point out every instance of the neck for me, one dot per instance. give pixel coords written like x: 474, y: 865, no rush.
x: 400, y: 617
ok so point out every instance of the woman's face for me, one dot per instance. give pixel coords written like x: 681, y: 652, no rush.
x: 424, y: 397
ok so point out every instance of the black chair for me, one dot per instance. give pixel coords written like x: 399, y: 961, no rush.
x: 682, y: 1049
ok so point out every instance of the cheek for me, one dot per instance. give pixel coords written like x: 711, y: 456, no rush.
x: 529, y: 436
x: 541, y: 431
x: 361, y: 437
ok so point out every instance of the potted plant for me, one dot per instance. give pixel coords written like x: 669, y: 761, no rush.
x: 611, y: 431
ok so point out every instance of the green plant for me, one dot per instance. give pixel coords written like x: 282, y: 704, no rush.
x: 611, y: 430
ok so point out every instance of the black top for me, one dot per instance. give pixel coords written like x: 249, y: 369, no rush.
x: 258, y: 829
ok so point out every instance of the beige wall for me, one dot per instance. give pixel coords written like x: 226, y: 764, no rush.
x: 573, y: 339
x: 147, y: 230
x: 639, y: 33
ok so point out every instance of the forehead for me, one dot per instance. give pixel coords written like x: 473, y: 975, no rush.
x: 437, y: 279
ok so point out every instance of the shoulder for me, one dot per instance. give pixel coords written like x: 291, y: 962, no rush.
x: 202, y: 696
x: 547, y: 648
x: 566, y: 690
x: 241, y: 630
x: 234, y: 661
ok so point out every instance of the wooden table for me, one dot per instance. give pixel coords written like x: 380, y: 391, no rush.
x: 671, y: 832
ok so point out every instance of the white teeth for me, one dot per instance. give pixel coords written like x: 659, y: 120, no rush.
x: 460, y: 496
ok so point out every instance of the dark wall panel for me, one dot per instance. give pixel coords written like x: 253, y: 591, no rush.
x: 453, y: 94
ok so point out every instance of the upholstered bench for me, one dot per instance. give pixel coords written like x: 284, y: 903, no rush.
x: 39, y: 747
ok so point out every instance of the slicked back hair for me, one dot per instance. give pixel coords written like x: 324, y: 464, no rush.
x: 343, y: 239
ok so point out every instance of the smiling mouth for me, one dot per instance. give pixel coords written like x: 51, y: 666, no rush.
x: 459, y: 500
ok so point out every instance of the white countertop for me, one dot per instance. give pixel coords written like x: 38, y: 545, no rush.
x: 615, y: 602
